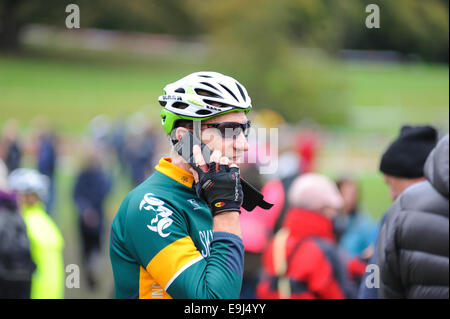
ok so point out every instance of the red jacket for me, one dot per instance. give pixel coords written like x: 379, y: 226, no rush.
x: 315, y: 268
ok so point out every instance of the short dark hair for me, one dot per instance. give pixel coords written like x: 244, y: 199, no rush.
x: 183, y: 123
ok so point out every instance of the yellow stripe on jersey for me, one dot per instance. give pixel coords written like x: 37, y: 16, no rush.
x: 166, y: 167
x: 172, y: 260
x: 149, y: 288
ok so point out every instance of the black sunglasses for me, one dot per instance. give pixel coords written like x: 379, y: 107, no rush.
x: 231, y: 129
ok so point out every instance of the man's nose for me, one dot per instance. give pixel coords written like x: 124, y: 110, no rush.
x: 241, y: 143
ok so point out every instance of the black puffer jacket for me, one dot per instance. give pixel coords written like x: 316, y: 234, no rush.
x: 413, y: 244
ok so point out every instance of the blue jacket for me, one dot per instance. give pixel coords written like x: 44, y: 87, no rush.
x: 91, y: 188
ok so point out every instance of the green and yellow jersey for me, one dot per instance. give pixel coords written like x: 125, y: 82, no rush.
x: 162, y: 244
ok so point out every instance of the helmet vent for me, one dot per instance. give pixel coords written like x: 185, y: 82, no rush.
x: 162, y: 103
x: 242, y: 91
x: 180, y: 90
x: 229, y: 91
x: 209, y: 84
x: 203, y: 112
x: 180, y: 105
x: 205, y: 76
x: 207, y: 93
x: 215, y: 104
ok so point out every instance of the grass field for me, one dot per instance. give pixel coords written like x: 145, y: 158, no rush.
x: 71, y: 87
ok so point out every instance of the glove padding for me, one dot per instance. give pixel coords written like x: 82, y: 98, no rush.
x: 220, y: 187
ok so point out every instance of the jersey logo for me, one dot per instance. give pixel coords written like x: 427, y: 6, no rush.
x: 194, y: 203
x: 162, y: 219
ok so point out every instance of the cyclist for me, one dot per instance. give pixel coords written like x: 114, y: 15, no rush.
x: 177, y: 235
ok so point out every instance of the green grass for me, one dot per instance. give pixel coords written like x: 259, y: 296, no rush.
x: 409, y: 85
x: 70, y: 90
x: 71, y: 87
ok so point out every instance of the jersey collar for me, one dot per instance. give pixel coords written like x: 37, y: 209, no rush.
x: 176, y: 173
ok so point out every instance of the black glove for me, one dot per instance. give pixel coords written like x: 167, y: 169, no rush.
x: 220, y: 187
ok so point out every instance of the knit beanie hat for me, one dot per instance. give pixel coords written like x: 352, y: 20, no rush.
x: 406, y: 156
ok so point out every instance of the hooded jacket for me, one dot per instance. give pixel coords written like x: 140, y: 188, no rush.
x: 315, y: 266
x: 413, y: 249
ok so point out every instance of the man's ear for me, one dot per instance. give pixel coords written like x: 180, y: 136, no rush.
x: 180, y: 131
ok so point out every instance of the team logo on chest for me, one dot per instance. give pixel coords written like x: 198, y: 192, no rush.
x: 162, y: 219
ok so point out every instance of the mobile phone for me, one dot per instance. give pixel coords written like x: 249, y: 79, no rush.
x: 184, y: 147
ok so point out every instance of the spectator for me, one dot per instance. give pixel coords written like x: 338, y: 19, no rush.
x: 16, y: 265
x: 46, y: 162
x: 118, y: 143
x: 259, y: 226
x: 303, y: 259
x: 12, y: 148
x: 91, y: 189
x: 140, y: 150
x: 402, y: 166
x: 356, y: 226
x: 254, y: 236
x: 402, y: 163
x: 413, y: 244
x: 46, y: 240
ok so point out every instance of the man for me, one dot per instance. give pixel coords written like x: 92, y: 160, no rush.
x: 47, y: 162
x: 46, y: 241
x: 91, y: 189
x: 177, y: 235
x: 402, y: 166
x: 413, y: 244
x: 402, y: 163
x: 303, y: 259
x: 11, y: 146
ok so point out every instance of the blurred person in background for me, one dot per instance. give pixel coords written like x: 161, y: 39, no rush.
x: 16, y: 265
x: 402, y: 166
x: 259, y: 227
x: 139, y: 152
x: 118, y: 142
x: 355, y: 228
x: 303, y: 259
x: 255, y: 234
x: 46, y: 241
x: 46, y: 156
x: 11, y: 146
x: 307, y: 144
x: 289, y: 168
x: 100, y: 130
x: 90, y: 192
x: 413, y: 243
x: 402, y: 163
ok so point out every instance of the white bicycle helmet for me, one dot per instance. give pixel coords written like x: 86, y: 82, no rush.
x: 200, y: 96
x: 27, y: 181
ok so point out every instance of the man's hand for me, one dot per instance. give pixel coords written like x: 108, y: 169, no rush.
x: 217, y: 183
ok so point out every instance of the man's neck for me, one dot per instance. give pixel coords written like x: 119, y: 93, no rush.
x: 179, y: 161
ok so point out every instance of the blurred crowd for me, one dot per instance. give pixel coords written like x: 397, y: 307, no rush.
x: 31, y: 243
x: 317, y: 241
